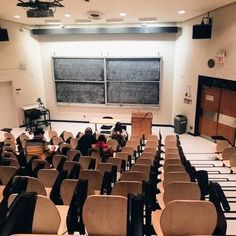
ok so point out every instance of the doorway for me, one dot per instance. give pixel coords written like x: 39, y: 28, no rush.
x: 8, y: 117
x: 216, y: 110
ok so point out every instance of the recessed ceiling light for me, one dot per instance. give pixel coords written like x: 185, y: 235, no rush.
x: 67, y: 15
x: 181, y: 12
x: 17, y: 16
x: 123, y: 14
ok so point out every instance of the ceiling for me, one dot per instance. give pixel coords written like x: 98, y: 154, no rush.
x: 137, y: 11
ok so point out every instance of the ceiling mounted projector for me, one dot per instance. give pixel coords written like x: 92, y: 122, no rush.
x: 37, y: 8
x: 203, y: 30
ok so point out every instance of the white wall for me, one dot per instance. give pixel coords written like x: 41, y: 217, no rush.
x: 191, y: 58
x: 24, y: 50
x: 113, y: 46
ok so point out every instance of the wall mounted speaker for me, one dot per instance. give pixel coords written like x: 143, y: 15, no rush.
x: 4, y: 35
x: 202, y: 31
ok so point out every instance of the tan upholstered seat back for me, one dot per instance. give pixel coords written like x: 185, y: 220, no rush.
x: 122, y: 155
x: 150, y: 150
x: 113, y: 143
x: 123, y: 188
x: 173, y: 168
x: 34, y: 185
x: 172, y: 161
x: 74, y: 143
x: 84, y: 162
x: 35, y: 162
x: 115, y: 162
x: 72, y: 153
x: 151, y: 144
x: 129, y: 150
x: 171, y: 151
x: 51, y: 134
x: 56, y: 159
x: 105, y: 215
x: 148, y: 155
x: 181, y: 191
x: 172, y: 156
x: 188, y: 218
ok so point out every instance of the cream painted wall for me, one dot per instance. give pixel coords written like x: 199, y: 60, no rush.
x: 24, y: 50
x: 113, y: 46
x: 191, y: 58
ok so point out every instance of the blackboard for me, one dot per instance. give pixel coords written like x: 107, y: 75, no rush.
x: 79, y: 69
x: 133, y: 69
x: 133, y: 93
x: 124, y: 80
x: 80, y: 92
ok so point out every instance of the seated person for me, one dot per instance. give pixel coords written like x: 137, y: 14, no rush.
x: 102, y: 145
x: 86, y: 141
x: 38, y: 146
x: 119, y: 134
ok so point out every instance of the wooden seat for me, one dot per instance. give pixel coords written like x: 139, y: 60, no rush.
x: 143, y: 168
x: 105, y: 215
x: 173, y: 168
x: 13, y: 162
x: 170, y: 161
x: 221, y: 145
x: 171, y: 177
x: 152, y: 137
x: 148, y: 155
x: 144, y: 161
x: 116, y: 161
x: 151, y: 144
x: 67, y: 190
x: 69, y: 165
x: 179, y: 191
x: 132, y: 143
x: 133, y: 176
x: 233, y: 163
x: 47, y: 177
x: 7, y: 154
x: 170, y: 137
x: 85, y: 161
x: 46, y: 218
x: 102, y: 167
x: 94, y: 178
x: 57, y: 140
x: 67, y: 135
x: 184, y: 217
x: 113, y: 143
x: 150, y: 150
x: 122, y: 155
x: 74, y: 143
x: 170, y: 144
x: 64, y: 145
x: 227, y: 153
x: 71, y: 154
x: 51, y: 134
x: 123, y: 188
x: 9, y: 142
x: 35, y: 162
x: 56, y: 159
x: 6, y: 172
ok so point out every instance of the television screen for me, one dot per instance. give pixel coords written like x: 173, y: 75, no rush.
x: 4, y: 35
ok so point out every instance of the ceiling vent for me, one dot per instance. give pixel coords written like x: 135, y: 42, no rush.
x: 94, y: 15
x: 147, y: 19
x: 83, y: 21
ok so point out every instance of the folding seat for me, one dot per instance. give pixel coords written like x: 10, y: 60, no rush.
x: 186, y: 217
x: 94, y: 178
x: 179, y: 190
x: 123, y: 188
x: 143, y: 168
x: 133, y: 176
x: 105, y: 215
x: 226, y: 155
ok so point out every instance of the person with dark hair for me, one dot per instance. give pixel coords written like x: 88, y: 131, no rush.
x: 86, y: 141
x: 103, y: 146
x: 119, y: 134
x: 38, y: 145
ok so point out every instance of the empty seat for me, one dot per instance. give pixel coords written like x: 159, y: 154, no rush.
x: 183, y: 217
x: 105, y: 215
x: 143, y: 168
x: 47, y: 177
x: 133, y: 176
x: 67, y: 190
x: 123, y: 188
x: 6, y: 172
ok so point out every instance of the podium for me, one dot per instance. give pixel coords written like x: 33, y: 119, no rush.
x: 141, y: 123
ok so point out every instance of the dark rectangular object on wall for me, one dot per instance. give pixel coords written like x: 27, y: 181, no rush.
x: 202, y: 31
x: 4, y: 35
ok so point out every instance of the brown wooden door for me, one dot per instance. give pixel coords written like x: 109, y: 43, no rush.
x: 210, y: 101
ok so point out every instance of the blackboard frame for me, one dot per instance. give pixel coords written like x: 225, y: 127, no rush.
x: 106, y: 81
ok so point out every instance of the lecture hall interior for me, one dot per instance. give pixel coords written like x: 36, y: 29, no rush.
x: 164, y: 72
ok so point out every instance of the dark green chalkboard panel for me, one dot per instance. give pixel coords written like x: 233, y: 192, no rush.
x: 79, y: 69
x: 133, y: 69
x: 133, y: 93
x: 80, y: 92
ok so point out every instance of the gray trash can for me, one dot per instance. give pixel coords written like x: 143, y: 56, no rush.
x: 180, y: 124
